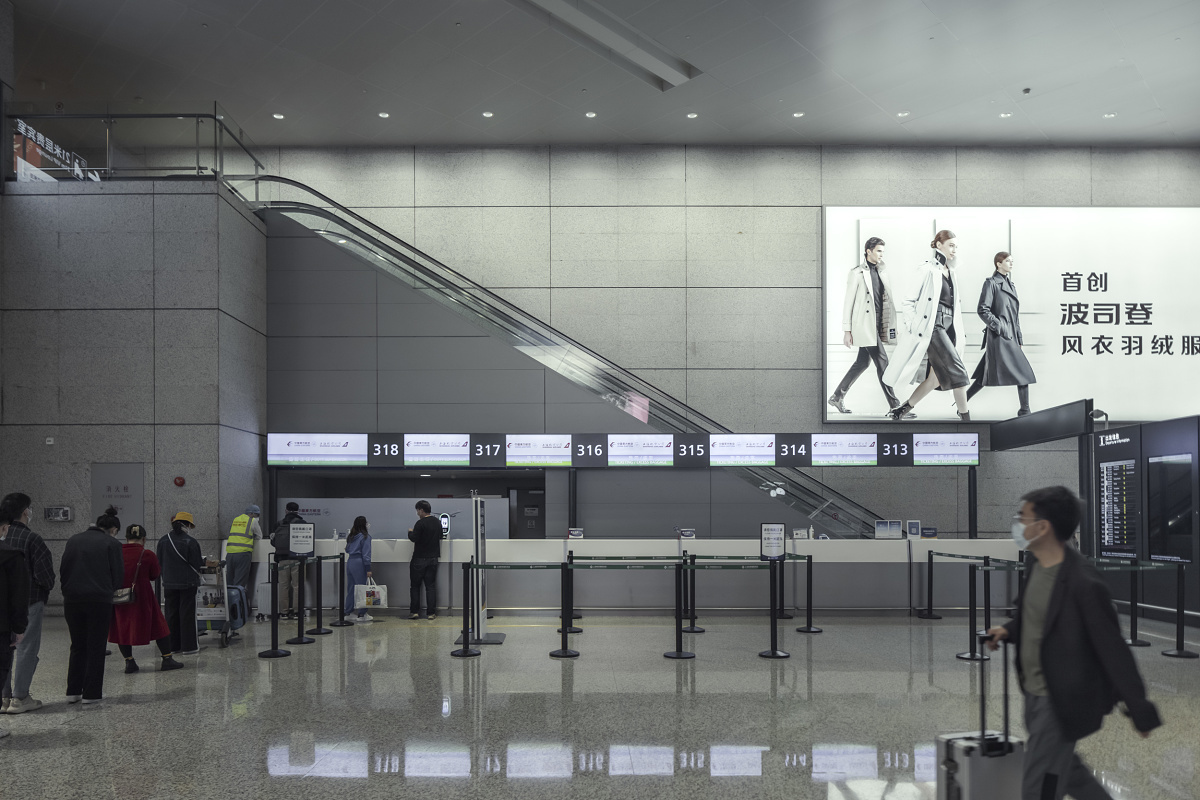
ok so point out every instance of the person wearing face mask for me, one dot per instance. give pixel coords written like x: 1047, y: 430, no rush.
x: 358, y: 564
x: 1072, y: 661
x: 932, y: 331
x: 1004, y: 362
x: 239, y: 548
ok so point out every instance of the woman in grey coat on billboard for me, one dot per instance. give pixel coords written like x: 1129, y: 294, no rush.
x: 1004, y: 362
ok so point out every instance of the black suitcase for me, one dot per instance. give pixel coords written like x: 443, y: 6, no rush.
x: 983, y: 764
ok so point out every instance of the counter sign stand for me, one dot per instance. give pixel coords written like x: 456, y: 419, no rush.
x: 772, y: 548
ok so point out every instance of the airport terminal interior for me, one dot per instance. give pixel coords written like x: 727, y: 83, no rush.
x: 606, y: 398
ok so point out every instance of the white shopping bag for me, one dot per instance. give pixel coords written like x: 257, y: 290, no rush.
x: 370, y: 595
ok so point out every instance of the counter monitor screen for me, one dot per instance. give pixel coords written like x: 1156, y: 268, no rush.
x: 1169, y: 504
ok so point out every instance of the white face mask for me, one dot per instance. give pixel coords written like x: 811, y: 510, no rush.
x: 1018, y: 535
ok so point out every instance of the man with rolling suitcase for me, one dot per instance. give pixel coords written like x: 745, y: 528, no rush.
x: 1072, y: 661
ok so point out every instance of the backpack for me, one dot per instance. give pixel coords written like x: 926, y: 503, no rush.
x: 281, y: 538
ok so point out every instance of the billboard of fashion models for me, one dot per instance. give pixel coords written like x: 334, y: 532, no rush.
x: 982, y: 314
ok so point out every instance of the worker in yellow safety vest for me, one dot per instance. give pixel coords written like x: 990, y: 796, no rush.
x: 239, y: 547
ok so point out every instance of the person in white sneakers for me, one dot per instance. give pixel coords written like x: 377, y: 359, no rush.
x: 14, y: 605
x: 358, y: 565
x: 92, y: 569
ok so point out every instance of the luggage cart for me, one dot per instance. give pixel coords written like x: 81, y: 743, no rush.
x: 219, y: 606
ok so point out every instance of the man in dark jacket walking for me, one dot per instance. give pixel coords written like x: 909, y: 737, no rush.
x: 287, y: 565
x: 1072, y: 661
x: 426, y: 536
x: 92, y: 569
x: 14, y: 606
x: 16, y: 509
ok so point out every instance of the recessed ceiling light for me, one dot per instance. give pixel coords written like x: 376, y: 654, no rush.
x: 277, y: 116
x: 488, y: 114
x: 798, y: 114
x: 693, y: 115
x: 1005, y: 114
x: 902, y: 113
x: 425, y: 476
x: 341, y: 241
x: 1110, y: 115
x: 384, y: 115
x: 590, y: 114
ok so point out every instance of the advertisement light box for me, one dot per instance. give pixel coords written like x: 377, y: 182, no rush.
x: 641, y: 450
x: 317, y: 449
x: 437, y: 450
x: 741, y: 450
x: 844, y: 450
x: 538, y: 450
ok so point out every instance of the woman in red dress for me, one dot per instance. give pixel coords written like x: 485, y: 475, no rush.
x: 141, y: 621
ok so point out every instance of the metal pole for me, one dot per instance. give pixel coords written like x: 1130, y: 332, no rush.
x: 679, y: 652
x: 987, y: 596
x: 972, y: 503
x: 782, y: 612
x: 274, y: 652
x: 973, y: 654
x: 569, y: 615
x: 928, y: 612
x: 300, y: 638
x: 1133, y: 640
x: 1180, y: 651
x: 466, y: 651
x: 564, y: 592
x: 692, y: 628
x: 808, y: 602
x: 341, y: 621
x: 774, y: 652
x: 320, y: 630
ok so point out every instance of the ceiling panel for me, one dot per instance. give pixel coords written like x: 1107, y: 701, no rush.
x: 330, y: 66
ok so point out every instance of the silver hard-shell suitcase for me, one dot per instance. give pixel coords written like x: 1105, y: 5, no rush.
x: 983, y: 764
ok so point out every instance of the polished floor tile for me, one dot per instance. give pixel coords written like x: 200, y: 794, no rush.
x: 383, y: 710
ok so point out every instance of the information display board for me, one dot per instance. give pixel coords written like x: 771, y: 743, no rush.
x: 599, y: 450
x: 1119, y: 493
x: 1169, y: 504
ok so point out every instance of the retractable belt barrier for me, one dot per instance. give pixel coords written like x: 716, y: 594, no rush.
x: 1134, y: 567
x: 320, y: 629
x: 973, y: 653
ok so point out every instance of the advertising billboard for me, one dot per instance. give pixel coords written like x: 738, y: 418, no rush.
x: 1088, y: 306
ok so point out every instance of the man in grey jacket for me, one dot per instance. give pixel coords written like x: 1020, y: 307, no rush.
x: 15, y: 509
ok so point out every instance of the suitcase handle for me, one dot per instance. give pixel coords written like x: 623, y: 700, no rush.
x: 1005, y: 746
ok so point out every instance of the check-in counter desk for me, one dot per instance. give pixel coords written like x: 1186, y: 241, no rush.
x: 847, y: 573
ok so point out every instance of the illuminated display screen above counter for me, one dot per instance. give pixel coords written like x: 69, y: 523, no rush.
x: 639, y: 450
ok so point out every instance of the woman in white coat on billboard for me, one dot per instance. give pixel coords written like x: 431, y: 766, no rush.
x: 932, y: 329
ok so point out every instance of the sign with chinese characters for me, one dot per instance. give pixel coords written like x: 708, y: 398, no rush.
x: 122, y: 487
x: 37, y: 157
x: 1091, y: 302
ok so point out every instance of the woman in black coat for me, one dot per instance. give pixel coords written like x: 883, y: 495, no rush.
x: 1004, y: 362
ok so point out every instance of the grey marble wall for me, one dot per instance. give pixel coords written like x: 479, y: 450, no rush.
x: 133, y: 330
x: 699, y: 267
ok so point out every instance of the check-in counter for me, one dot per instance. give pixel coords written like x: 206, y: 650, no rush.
x: 861, y: 574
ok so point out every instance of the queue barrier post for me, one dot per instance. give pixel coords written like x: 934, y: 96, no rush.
x: 1179, y: 651
x: 568, y: 617
x: 808, y: 626
x: 564, y: 651
x: 774, y: 652
x: 341, y: 620
x: 928, y: 612
x: 320, y: 629
x: 300, y: 638
x: 782, y: 612
x: 973, y: 654
x: 987, y: 598
x: 274, y: 652
x: 679, y: 652
x: 692, y: 628
x: 1133, y: 640
x: 466, y: 651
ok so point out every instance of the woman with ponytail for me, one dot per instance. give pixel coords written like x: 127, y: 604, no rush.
x: 141, y: 621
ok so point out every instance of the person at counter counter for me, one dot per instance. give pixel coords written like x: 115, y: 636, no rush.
x: 1072, y: 662
x: 358, y: 565
x: 426, y: 537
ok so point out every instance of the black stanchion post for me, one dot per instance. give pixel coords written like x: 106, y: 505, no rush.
x: 987, y: 598
x: 1180, y: 651
x: 678, y: 652
x: 928, y: 612
x: 341, y: 620
x: 274, y: 652
x: 466, y: 651
x: 569, y: 597
x: 1133, y: 640
x: 691, y: 590
x: 973, y: 654
x: 300, y: 638
x: 782, y: 612
x: 320, y: 630
x: 808, y: 603
x: 774, y: 652
x: 563, y: 651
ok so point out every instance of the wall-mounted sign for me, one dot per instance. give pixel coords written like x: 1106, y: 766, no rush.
x: 641, y: 450
x: 537, y: 450
x: 844, y: 449
x: 437, y: 450
x: 741, y: 449
x: 38, y: 158
x: 317, y: 449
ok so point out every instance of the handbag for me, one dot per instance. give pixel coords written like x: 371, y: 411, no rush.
x: 370, y: 595
x: 125, y: 595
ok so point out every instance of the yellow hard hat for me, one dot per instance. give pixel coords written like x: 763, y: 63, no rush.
x: 184, y: 516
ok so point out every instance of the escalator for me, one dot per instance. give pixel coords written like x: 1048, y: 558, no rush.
x: 831, y: 513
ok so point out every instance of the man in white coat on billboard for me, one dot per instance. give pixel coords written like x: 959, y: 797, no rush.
x: 868, y: 322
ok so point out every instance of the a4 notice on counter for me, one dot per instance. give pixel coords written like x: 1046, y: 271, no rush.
x: 685, y: 450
